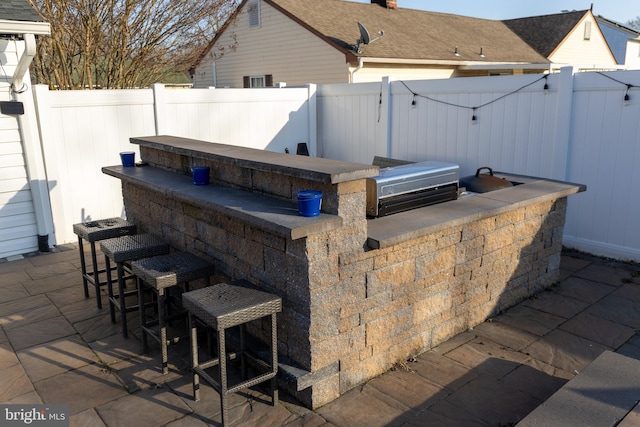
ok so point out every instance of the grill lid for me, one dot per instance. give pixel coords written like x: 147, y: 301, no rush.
x: 482, y: 183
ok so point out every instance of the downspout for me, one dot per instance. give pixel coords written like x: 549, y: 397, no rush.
x: 34, y: 158
x: 358, y: 68
x: 24, y: 62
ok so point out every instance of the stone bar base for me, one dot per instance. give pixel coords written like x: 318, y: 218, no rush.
x: 358, y: 295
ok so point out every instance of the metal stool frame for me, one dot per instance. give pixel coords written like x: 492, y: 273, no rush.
x: 123, y: 250
x: 160, y: 273
x: 93, y: 231
x: 221, y: 307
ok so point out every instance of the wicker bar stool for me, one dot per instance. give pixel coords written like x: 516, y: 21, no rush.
x: 92, y: 232
x: 160, y: 273
x: 222, y: 307
x: 123, y: 250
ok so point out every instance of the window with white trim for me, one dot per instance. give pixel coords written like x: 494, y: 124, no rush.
x: 256, y: 81
x: 253, y: 9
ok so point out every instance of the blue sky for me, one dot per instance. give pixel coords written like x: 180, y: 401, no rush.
x: 617, y: 10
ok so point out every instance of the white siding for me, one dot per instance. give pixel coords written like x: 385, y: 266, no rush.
x: 279, y: 47
x: 372, y: 72
x: 18, y: 231
x: 592, y: 53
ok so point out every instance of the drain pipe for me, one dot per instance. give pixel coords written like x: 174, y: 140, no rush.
x: 34, y: 158
x: 358, y: 68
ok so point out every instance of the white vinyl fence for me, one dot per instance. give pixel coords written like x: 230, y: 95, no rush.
x: 82, y: 131
x: 578, y: 129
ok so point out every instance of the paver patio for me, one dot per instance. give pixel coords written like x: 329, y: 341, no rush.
x: 57, y: 347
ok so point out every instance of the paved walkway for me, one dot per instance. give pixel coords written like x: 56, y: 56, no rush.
x: 56, y: 347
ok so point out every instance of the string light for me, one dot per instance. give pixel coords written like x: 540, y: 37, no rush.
x: 546, y: 84
x: 627, y: 98
x: 474, y: 117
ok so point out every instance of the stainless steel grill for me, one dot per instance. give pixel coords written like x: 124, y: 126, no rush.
x: 405, y: 187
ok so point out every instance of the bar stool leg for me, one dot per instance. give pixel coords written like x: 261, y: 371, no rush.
x: 143, y: 318
x: 194, y: 357
x: 96, y: 277
x: 163, y: 330
x: 121, y: 298
x: 112, y: 308
x: 222, y: 366
x: 274, y: 359
x: 83, y: 265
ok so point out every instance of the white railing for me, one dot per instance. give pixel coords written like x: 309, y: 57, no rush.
x: 578, y: 130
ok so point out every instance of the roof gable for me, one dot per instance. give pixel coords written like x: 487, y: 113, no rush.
x: 545, y: 33
x: 19, y: 10
x: 409, y: 34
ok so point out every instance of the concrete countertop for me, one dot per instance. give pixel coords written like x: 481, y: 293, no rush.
x: 391, y: 230
x: 268, y: 213
x: 311, y: 168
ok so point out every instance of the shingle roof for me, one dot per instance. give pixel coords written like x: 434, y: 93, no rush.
x: 545, y: 33
x: 18, y: 10
x: 409, y: 34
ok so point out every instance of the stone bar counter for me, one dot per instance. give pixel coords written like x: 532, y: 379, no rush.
x: 359, y: 295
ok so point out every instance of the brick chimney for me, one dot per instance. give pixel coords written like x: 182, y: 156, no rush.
x: 389, y: 4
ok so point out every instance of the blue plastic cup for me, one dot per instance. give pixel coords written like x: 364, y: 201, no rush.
x: 200, y: 175
x: 128, y: 158
x: 309, y: 202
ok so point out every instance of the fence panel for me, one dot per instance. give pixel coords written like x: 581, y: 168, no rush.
x: 514, y: 129
x: 82, y: 131
x: 266, y: 119
x: 604, y: 154
x: 349, y: 118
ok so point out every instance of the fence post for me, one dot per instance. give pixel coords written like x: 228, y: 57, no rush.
x: 313, y: 120
x: 383, y: 126
x: 562, y: 132
x: 159, y: 108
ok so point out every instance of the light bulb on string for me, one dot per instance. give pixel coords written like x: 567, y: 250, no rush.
x: 627, y: 98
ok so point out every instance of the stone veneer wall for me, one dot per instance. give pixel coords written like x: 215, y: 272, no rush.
x: 349, y: 312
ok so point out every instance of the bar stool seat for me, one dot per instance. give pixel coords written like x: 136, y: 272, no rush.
x: 221, y: 307
x: 160, y: 273
x: 123, y: 250
x: 93, y: 231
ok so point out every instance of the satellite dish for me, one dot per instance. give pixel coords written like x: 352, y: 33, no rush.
x: 364, y: 34
x: 365, y: 38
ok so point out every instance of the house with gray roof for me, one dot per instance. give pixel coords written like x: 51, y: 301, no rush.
x: 623, y: 41
x: 298, y: 42
x: 570, y: 38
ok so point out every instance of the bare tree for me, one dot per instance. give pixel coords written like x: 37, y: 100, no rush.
x: 634, y: 23
x: 123, y: 43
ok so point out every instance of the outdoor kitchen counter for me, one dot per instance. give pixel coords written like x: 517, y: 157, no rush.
x: 278, y: 216
x: 391, y: 230
x: 316, y: 169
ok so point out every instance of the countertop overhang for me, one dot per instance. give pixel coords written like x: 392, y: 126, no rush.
x: 394, y: 229
x: 278, y: 216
